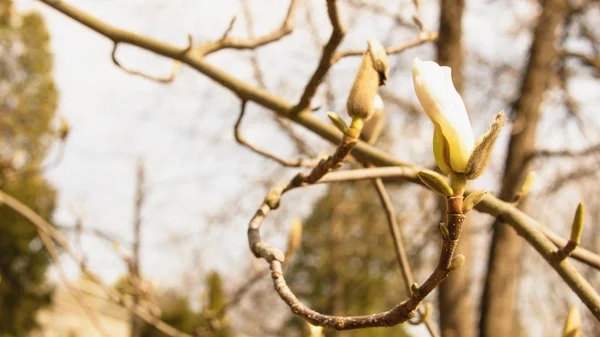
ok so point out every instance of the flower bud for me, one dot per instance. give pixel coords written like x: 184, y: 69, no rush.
x: 373, y: 72
x: 452, y: 138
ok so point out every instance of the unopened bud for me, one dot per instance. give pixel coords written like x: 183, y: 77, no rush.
x: 482, y: 152
x: 373, y: 72
x: 577, y: 227
x: 436, y: 182
x: 338, y: 122
x: 456, y: 262
x: 472, y: 200
x: 414, y: 288
x: 444, y: 230
x: 526, y: 187
x: 573, y: 323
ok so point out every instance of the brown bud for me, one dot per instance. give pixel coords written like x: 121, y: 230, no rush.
x: 482, y: 152
x: 373, y: 72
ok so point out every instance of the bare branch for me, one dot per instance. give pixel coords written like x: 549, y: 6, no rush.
x: 227, y: 42
x: 398, y: 314
x: 401, y: 256
x: 381, y: 10
x: 422, y: 39
x: 260, y: 79
x: 229, y: 28
x: 168, y: 79
x: 587, y: 60
x: 548, y: 154
x: 240, y: 139
x: 327, y: 56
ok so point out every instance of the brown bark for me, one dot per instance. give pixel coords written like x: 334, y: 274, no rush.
x: 454, y: 299
x: 498, y: 311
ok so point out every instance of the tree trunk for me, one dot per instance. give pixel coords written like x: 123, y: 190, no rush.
x: 498, y: 310
x: 454, y: 299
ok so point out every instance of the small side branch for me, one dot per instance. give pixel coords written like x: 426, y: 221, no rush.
x: 240, y: 139
x: 168, y: 79
x: 401, y: 256
x: 424, y: 38
x: 585, y: 59
x: 227, y: 42
x: 327, y: 57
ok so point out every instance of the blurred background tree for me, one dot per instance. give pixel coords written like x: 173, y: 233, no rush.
x: 28, y: 103
x: 177, y: 311
x: 341, y: 270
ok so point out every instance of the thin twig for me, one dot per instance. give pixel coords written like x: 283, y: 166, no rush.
x: 327, y: 57
x: 168, y: 79
x: 424, y: 38
x: 376, y: 8
x: 241, y: 291
x: 240, y: 139
x: 401, y: 256
x: 260, y: 79
x: 227, y: 42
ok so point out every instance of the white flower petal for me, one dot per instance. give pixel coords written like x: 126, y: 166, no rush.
x: 446, y: 109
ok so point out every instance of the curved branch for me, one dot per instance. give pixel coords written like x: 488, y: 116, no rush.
x: 399, y: 314
x: 237, y: 132
x: 168, y: 79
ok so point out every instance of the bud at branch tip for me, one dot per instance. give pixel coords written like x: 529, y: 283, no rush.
x: 577, y: 227
x: 338, y: 122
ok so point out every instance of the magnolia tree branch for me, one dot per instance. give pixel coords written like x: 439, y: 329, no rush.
x: 525, y: 226
x: 285, y: 162
x: 282, y: 123
x: 401, y: 256
x: 422, y: 39
x: 227, y: 42
x: 337, y: 34
x: 398, y: 314
x: 167, y: 79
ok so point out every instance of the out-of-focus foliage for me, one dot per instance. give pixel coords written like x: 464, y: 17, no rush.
x: 177, y: 311
x: 346, y: 264
x: 27, y: 106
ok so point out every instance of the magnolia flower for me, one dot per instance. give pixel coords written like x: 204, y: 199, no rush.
x: 453, y: 139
